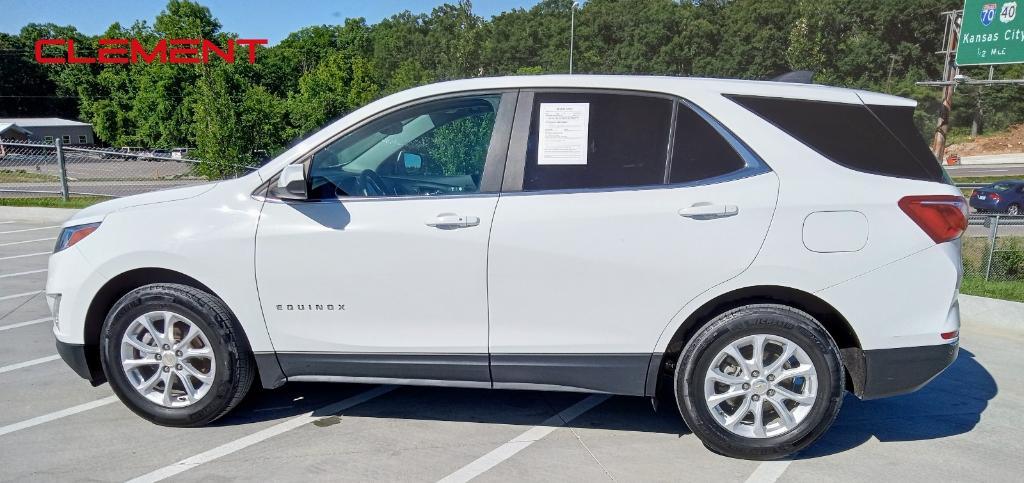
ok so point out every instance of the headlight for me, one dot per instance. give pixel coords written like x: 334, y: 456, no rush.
x: 74, y: 234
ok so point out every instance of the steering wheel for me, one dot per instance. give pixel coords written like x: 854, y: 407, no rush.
x: 370, y: 179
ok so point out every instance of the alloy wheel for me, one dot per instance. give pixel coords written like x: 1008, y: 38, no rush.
x: 168, y: 359
x: 760, y: 386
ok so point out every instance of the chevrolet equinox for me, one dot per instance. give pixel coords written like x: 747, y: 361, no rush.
x: 746, y: 250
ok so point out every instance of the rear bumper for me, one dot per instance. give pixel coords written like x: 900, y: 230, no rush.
x: 891, y: 372
x: 78, y: 358
x: 984, y: 205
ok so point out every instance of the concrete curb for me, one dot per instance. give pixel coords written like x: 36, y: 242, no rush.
x: 1002, y: 314
x: 34, y: 213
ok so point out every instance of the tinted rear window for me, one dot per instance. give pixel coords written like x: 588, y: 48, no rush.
x: 852, y: 136
x: 627, y: 143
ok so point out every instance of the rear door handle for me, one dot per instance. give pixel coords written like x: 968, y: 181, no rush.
x: 451, y: 220
x: 707, y: 211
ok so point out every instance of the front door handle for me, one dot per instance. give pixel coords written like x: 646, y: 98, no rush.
x: 707, y: 211
x: 451, y: 220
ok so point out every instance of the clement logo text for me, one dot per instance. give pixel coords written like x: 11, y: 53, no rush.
x: 131, y: 51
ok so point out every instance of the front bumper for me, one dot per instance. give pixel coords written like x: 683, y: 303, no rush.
x: 891, y: 372
x: 83, y: 361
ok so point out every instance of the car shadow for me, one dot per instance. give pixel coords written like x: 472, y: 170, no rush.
x: 951, y: 404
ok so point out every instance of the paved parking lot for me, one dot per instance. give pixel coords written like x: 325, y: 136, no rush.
x: 966, y: 425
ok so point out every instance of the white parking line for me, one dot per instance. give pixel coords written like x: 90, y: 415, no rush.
x: 769, y: 471
x: 29, y: 229
x: 19, y: 295
x: 36, y: 421
x: 30, y: 272
x: 33, y: 362
x: 259, y: 436
x: 37, y: 254
x: 521, y: 442
x: 27, y: 241
x: 6, y: 222
x: 24, y: 324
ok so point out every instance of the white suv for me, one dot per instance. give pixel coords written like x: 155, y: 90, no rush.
x: 749, y: 250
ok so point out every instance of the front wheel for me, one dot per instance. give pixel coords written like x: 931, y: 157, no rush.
x: 1013, y: 210
x: 760, y: 382
x: 175, y: 355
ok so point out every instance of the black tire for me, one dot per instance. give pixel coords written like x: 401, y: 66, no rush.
x: 235, y: 368
x: 1010, y: 209
x: 730, y: 326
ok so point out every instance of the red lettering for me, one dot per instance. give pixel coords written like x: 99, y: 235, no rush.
x: 124, y: 51
x: 48, y: 60
x: 106, y: 54
x: 74, y: 59
x: 228, y: 57
x: 182, y: 55
x: 138, y: 51
x: 251, y: 44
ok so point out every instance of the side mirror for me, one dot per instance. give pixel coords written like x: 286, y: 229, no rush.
x: 291, y: 184
x: 412, y: 161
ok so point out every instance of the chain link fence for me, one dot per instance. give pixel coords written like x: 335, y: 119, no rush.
x: 32, y: 169
x: 993, y: 248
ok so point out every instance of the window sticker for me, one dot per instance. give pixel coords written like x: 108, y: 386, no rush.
x: 563, y: 133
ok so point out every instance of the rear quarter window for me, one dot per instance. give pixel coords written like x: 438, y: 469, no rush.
x: 872, y: 139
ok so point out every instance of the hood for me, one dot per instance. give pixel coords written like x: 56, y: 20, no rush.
x: 100, y: 210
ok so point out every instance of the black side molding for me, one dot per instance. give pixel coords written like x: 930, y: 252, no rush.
x: 624, y: 374
x: 437, y: 367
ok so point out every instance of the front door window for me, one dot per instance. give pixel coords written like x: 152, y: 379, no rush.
x: 437, y: 148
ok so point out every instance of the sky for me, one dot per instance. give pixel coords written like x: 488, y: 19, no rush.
x: 264, y: 19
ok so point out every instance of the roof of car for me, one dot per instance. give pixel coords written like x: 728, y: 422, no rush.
x: 667, y: 84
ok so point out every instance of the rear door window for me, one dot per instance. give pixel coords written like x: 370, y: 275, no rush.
x: 597, y: 140
x: 699, y: 151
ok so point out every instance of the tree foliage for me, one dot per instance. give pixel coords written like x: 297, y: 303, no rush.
x: 240, y: 113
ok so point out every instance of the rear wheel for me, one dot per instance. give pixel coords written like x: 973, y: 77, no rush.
x: 175, y: 356
x: 1013, y: 210
x: 760, y: 382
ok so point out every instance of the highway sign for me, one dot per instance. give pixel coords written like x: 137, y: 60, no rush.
x: 991, y: 33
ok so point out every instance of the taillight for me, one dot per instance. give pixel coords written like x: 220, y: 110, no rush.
x: 942, y: 217
x: 995, y: 198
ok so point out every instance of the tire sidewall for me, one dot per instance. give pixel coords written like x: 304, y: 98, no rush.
x: 796, y: 326
x: 150, y: 299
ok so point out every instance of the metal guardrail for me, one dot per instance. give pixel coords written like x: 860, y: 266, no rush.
x: 32, y: 168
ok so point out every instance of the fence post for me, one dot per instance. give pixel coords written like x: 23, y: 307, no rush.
x: 62, y: 169
x: 992, y: 230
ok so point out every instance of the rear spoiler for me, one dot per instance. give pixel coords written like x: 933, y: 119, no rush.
x: 796, y: 77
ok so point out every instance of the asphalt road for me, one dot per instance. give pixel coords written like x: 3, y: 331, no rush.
x: 1007, y: 170
x: 965, y: 425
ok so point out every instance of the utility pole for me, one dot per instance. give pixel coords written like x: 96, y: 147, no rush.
x: 572, y: 31
x: 888, y: 80
x: 949, y: 74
